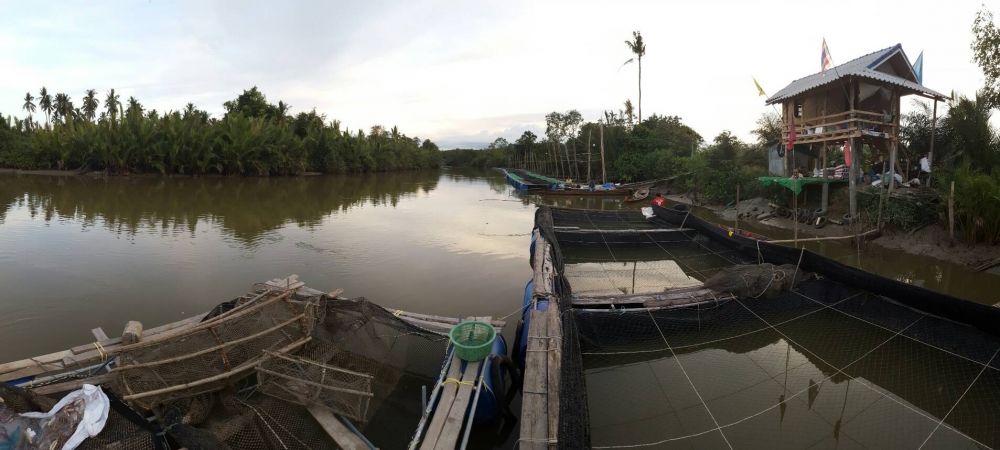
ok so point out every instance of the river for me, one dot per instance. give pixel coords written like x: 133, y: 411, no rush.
x: 78, y: 252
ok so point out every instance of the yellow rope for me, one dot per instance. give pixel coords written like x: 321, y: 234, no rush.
x: 101, y: 351
x: 397, y: 312
x: 460, y: 382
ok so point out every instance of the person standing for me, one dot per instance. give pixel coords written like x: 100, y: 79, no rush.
x: 925, y: 169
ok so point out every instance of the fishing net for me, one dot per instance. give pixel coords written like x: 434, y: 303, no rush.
x: 844, y: 359
x: 204, y: 358
x: 363, y: 364
x: 756, y: 280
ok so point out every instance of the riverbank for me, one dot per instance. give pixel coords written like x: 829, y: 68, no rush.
x: 931, y: 241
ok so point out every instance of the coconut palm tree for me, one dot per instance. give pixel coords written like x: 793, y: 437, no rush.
x: 45, y: 102
x: 111, y: 103
x: 134, y: 107
x: 63, y: 107
x: 29, y: 105
x: 638, y: 48
x: 90, y: 104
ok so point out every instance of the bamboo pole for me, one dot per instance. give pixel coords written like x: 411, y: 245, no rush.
x: 826, y: 238
x: 951, y: 213
x: 589, y: 177
x: 795, y: 216
x: 604, y: 173
x: 930, y: 154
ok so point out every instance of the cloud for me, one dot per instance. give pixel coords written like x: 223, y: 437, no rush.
x: 461, y: 73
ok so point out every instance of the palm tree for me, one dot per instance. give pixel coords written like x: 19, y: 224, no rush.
x: 134, y: 106
x: 111, y: 103
x: 62, y: 106
x: 29, y: 105
x: 638, y: 48
x: 45, y: 102
x: 90, y: 104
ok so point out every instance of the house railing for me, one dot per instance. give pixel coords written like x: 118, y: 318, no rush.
x: 841, y: 126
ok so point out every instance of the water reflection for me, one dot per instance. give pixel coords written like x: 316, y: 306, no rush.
x: 77, y: 253
x: 244, y: 208
x: 789, y: 373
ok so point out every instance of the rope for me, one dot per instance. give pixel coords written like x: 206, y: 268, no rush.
x: 803, y: 252
x: 459, y: 382
x: 101, y: 351
x: 974, y: 380
x: 716, y: 422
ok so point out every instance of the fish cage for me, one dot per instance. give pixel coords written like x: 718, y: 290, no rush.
x: 743, y: 343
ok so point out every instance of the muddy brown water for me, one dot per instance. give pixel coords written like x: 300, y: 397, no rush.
x: 80, y: 252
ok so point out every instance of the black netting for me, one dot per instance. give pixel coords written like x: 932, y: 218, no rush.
x: 844, y: 359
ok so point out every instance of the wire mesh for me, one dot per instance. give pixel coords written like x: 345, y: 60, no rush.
x: 206, y: 357
x: 306, y: 382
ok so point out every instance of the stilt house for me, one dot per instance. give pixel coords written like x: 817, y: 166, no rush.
x: 855, y: 103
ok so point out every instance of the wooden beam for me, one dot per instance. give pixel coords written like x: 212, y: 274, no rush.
x: 344, y: 437
x: 554, y: 355
x: 460, y: 409
x: 448, y: 392
x: 534, y: 402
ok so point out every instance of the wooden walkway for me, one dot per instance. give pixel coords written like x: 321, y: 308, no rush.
x: 456, y: 394
x: 540, y: 394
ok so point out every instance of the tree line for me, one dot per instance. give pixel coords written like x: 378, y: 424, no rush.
x: 254, y: 137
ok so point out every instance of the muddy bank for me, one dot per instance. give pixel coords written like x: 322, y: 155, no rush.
x: 52, y: 173
x: 931, y: 241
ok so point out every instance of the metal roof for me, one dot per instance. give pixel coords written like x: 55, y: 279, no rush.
x: 864, y: 67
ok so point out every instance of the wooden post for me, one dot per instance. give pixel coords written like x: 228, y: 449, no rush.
x: 855, y: 163
x: 589, y: 178
x: 795, y: 216
x: 784, y: 137
x: 604, y: 174
x: 930, y: 154
x: 951, y: 213
x: 893, y: 143
x: 132, y: 332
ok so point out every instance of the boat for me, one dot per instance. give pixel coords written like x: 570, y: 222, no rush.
x: 637, y: 196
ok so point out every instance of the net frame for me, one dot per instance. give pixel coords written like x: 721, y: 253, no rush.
x: 307, y: 382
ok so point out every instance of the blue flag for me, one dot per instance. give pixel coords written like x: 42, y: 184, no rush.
x: 918, y: 68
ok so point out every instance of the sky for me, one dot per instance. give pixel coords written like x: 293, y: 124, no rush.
x: 463, y: 73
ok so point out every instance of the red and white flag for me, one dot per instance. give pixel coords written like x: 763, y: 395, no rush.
x: 826, y: 59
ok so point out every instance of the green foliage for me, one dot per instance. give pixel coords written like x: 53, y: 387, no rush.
x: 986, y: 52
x: 252, y: 139
x: 483, y: 159
x: 977, y: 205
x: 906, y: 209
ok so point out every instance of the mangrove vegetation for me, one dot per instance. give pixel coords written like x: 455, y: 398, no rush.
x: 253, y: 137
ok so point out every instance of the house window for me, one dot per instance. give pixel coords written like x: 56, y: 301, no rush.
x: 798, y: 109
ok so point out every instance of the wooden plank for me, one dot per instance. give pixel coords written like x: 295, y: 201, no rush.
x: 534, y: 415
x: 337, y: 431
x: 554, y: 358
x: 99, y: 334
x: 72, y: 385
x: 448, y: 392
x: 456, y: 417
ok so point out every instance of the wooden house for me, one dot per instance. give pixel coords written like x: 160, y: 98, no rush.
x: 855, y: 103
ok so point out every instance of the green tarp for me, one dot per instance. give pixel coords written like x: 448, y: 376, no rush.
x: 795, y: 184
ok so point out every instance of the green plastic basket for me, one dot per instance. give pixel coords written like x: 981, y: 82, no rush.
x: 472, y: 340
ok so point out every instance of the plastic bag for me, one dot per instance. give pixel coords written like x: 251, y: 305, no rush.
x: 91, y: 407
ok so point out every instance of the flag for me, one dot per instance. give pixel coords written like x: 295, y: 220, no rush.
x: 792, y: 135
x: 918, y: 68
x: 826, y: 61
x: 760, y: 90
